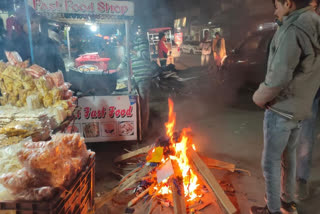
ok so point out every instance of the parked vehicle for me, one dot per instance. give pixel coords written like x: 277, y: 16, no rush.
x: 191, y: 47
x: 167, y: 82
x: 248, y: 62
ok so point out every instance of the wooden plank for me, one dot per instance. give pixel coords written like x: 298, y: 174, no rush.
x: 213, y: 163
x: 135, y: 178
x: 133, y: 154
x: 105, y: 198
x: 203, y: 206
x: 130, y: 174
x: 138, y: 198
x: 204, y: 172
x: 117, y: 173
x: 217, y: 164
x: 153, y: 206
x: 176, y: 183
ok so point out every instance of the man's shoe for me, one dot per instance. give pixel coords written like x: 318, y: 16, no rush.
x: 261, y: 210
x: 289, y: 208
x: 302, y: 190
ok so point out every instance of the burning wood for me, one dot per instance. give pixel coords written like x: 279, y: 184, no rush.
x: 178, y: 190
x: 133, y: 154
x: 174, y: 174
x: 211, y: 182
x: 212, y: 163
x: 136, y: 199
x: 135, y: 178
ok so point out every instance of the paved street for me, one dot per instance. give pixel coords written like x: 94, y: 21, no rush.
x: 226, y: 126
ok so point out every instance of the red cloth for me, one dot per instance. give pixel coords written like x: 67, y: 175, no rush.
x: 13, y: 25
x: 162, y: 49
x: 217, y: 59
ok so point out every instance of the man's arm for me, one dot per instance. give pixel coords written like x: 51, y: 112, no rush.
x: 123, y: 64
x: 280, y: 70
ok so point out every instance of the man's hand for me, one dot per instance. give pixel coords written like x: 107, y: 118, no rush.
x: 259, y: 102
x: 265, y: 95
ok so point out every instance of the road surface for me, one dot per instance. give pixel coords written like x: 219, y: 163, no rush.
x: 226, y: 126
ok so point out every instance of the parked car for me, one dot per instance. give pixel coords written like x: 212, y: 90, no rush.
x: 248, y: 62
x: 191, y: 47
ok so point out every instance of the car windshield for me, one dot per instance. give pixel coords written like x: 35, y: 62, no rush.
x: 251, y: 44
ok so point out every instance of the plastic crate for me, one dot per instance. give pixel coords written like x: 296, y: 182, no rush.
x: 77, y: 199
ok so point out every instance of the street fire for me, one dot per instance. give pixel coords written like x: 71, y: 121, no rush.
x: 173, y: 175
x: 179, y: 147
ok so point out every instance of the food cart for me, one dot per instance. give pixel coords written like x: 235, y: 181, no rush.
x: 153, y: 38
x: 104, y: 115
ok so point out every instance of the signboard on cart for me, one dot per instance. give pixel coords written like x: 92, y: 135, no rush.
x: 178, y: 38
x: 89, y: 7
x: 107, y: 118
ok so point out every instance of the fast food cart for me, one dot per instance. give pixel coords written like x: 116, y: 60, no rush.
x: 103, y: 115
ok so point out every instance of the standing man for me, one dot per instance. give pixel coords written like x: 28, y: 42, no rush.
x: 219, y: 50
x: 162, y: 49
x: 45, y: 50
x: 205, y: 46
x: 142, y: 74
x: 291, y: 83
x: 306, y: 142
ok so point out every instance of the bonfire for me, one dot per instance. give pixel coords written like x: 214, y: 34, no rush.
x: 179, y: 144
x: 173, y: 174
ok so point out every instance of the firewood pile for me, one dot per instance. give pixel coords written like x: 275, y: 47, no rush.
x: 171, y: 178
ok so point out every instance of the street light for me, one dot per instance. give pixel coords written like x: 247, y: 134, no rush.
x: 94, y: 28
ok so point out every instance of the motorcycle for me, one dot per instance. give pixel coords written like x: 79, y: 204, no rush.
x: 167, y: 82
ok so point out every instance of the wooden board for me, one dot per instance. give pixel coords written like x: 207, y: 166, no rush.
x: 128, y: 182
x: 130, y: 174
x: 139, y: 197
x: 204, y: 172
x: 176, y: 183
x: 99, y: 202
x: 135, y: 178
x: 133, y: 154
x: 153, y: 207
x: 213, y: 163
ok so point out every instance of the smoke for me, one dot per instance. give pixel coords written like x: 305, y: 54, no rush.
x: 152, y: 14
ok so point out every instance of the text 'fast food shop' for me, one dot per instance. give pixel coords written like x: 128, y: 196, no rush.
x: 69, y: 6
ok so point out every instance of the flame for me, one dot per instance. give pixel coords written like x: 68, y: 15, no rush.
x: 163, y: 160
x: 190, y: 179
x: 170, y: 125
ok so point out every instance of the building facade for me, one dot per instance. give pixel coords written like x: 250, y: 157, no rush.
x: 234, y: 18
